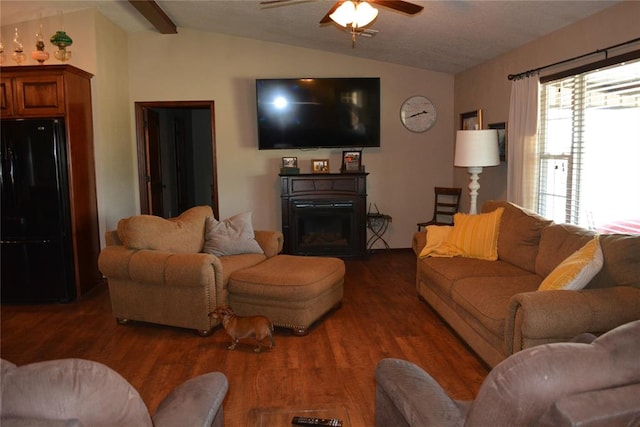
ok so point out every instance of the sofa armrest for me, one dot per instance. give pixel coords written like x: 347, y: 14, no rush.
x: 407, y: 396
x: 542, y: 317
x: 419, y: 241
x: 270, y: 241
x: 197, y: 402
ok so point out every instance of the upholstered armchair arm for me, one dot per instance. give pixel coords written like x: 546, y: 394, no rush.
x: 408, y: 396
x: 270, y: 241
x: 160, y: 267
x: 551, y: 316
x: 418, y: 242
x: 197, y: 402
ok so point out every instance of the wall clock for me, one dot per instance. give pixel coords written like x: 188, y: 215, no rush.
x: 418, y: 114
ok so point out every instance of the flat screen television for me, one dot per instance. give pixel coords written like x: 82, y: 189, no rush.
x: 318, y: 112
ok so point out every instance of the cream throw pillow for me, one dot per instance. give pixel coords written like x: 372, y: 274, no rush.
x: 577, y: 270
x: 473, y: 236
x: 436, y: 236
x: 232, y: 236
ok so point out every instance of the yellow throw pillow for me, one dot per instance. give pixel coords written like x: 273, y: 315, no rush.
x: 473, y: 236
x: 577, y: 270
x: 436, y: 236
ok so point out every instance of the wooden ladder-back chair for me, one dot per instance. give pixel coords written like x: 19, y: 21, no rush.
x: 447, y: 203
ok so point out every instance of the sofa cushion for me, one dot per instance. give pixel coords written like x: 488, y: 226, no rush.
x: 442, y: 273
x: 473, y: 236
x: 557, y: 242
x: 232, y: 236
x: 486, y: 300
x: 519, y: 233
x: 183, y: 234
x: 577, y: 270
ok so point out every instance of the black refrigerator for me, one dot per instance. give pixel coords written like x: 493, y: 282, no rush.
x: 36, y: 250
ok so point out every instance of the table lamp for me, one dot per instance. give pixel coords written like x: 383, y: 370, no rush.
x: 476, y: 149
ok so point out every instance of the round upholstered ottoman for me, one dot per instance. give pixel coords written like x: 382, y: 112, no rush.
x: 292, y: 291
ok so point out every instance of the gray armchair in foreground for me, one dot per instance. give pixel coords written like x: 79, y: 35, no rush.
x: 77, y: 392
x: 560, y: 384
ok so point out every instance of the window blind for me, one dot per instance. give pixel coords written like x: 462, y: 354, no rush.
x: 589, y: 146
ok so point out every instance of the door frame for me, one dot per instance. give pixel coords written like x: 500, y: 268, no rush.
x: 140, y: 108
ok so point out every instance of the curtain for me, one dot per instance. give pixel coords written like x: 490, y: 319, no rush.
x: 522, y: 153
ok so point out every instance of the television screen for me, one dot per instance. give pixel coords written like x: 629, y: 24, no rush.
x: 318, y: 112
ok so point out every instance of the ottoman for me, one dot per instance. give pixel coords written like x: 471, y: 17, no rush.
x: 292, y: 291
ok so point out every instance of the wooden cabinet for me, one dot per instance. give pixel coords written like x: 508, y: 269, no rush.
x: 63, y: 92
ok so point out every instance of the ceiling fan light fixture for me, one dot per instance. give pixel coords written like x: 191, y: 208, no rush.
x: 365, y: 14
x: 357, y: 14
x: 344, y: 14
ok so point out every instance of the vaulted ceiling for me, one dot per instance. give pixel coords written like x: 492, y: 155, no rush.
x: 447, y: 36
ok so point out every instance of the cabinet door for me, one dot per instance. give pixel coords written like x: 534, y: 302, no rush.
x: 39, y: 96
x: 6, y: 98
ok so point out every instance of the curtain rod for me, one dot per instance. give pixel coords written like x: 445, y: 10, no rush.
x: 575, y: 58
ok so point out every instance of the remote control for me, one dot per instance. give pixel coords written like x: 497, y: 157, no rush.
x: 307, y: 421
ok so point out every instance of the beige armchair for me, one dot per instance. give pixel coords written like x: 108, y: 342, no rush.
x: 560, y: 384
x: 78, y: 392
x: 157, y: 273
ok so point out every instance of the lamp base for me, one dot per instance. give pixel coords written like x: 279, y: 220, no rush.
x: 474, y: 186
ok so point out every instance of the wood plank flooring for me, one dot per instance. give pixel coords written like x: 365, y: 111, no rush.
x: 381, y: 316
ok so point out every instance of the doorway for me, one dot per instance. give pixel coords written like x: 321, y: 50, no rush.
x: 176, y: 156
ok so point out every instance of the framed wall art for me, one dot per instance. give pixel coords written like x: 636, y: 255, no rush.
x: 320, y: 165
x: 351, y: 161
x: 471, y: 120
x: 502, y: 138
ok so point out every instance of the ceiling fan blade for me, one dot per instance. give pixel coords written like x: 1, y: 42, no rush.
x: 326, y: 17
x: 402, y: 6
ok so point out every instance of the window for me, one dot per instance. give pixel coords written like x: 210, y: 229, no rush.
x: 589, y: 147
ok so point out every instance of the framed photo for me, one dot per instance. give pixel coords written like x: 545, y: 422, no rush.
x: 351, y: 161
x: 289, y: 162
x: 320, y: 165
x: 502, y: 138
x: 471, y: 120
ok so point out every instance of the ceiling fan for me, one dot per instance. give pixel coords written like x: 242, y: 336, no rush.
x: 357, y: 14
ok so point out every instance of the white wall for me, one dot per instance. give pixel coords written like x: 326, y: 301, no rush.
x: 194, y: 65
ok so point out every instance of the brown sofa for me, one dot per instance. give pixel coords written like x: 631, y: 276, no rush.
x: 157, y: 273
x: 495, y: 306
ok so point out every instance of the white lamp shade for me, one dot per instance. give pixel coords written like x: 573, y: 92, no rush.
x: 477, y: 148
x: 358, y: 15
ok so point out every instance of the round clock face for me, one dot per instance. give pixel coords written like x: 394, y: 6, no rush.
x: 418, y: 114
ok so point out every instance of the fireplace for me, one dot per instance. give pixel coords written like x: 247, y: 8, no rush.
x: 324, y: 214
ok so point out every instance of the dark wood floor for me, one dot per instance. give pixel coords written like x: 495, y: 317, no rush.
x: 381, y: 316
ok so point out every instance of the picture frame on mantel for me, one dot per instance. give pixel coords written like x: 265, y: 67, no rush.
x: 471, y: 120
x: 502, y: 138
x: 289, y: 162
x: 351, y: 162
x: 320, y: 165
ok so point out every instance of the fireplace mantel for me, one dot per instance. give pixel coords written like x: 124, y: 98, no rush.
x: 332, y: 206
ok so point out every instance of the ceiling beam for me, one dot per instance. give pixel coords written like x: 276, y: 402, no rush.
x: 154, y: 14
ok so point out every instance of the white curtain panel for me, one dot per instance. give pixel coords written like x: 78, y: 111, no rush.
x: 522, y: 151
